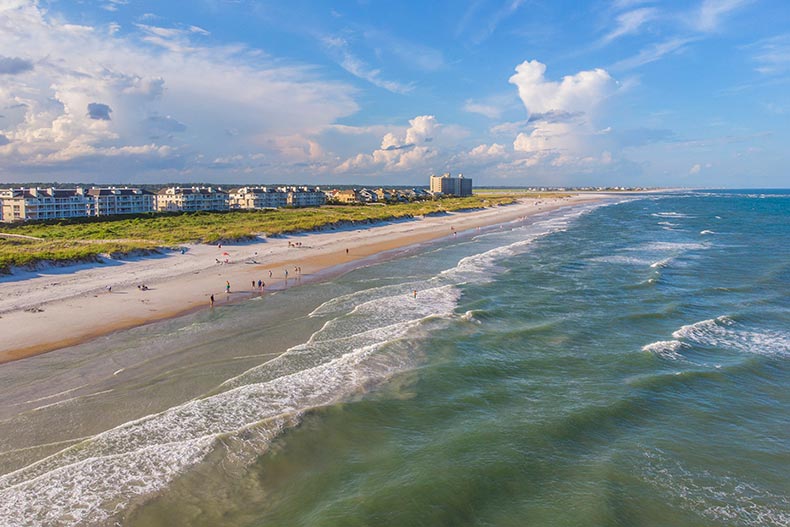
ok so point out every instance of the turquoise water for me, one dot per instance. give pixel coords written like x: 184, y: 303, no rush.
x: 618, y: 364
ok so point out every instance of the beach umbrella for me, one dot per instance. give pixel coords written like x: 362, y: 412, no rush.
x: 225, y: 254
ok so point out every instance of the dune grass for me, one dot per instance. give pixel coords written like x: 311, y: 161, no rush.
x: 85, y: 239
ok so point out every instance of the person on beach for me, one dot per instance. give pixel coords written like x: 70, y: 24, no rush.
x: 253, y: 284
x: 259, y: 284
x: 414, y: 293
x: 346, y: 250
x: 270, y: 273
x: 227, y: 286
x: 211, y: 300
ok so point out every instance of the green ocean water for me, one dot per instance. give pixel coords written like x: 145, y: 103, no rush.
x: 622, y: 365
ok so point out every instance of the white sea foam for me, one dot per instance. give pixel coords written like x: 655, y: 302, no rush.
x: 724, y: 332
x: 670, y: 215
x: 667, y: 349
x: 661, y: 263
x: 721, y: 498
x: 706, y: 232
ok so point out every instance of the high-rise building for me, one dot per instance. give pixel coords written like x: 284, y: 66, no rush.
x: 445, y: 184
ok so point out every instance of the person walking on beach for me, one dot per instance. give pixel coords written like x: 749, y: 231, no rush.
x: 211, y: 300
x: 270, y: 273
x: 414, y: 293
x: 227, y: 286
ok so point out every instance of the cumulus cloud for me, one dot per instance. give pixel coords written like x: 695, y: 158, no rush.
x: 574, y: 93
x: 695, y: 169
x: 398, y: 151
x: 484, y: 151
x: 99, y: 111
x: 96, y: 93
x: 560, y: 128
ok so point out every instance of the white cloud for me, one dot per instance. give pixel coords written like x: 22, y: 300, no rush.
x: 695, y: 169
x: 560, y: 130
x: 141, y: 76
x: 581, y: 92
x: 711, y: 13
x: 484, y: 151
x: 630, y: 22
x: 359, y: 68
x: 402, y: 150
x: 654, y: 52
x: 773, y: 54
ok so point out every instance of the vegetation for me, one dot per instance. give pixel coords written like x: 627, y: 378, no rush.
x: 26, y: 244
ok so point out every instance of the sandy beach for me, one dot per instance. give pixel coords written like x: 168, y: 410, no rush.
x: 57, y: 307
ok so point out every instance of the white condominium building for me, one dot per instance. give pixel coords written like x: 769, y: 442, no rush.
x: 305, y: 197
x: 21, y: 204
x: 269, y: 197
x: 109, y: 201
x: 191, y: 199
x: 257, y: 198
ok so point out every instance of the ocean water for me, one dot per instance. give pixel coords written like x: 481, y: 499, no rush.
x: 625, y: 363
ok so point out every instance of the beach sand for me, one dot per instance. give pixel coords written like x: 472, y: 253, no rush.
x: 61, y: 306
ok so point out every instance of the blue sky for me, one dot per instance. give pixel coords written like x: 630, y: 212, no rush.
x: 518, y: 92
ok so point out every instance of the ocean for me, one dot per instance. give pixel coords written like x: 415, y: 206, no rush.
x: 622, y: 363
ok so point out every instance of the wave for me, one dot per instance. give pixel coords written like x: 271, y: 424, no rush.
x: 84, y: 483
x: 667, y: 349
x: 724, y: 332
x: 671, y: 214
x: 706, y: 231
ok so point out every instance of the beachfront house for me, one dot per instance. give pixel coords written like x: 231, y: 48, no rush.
x: 191, y: 199
x: 450, y: 186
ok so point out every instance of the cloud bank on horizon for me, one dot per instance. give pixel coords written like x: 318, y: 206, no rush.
x: 627, y: 92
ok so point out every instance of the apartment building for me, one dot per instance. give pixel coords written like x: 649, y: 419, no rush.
x: 257, y: 198
x: 21, y: 204
x: 111, y: 200
x: 305, y: 196
x: 191, y: 199
x: 445, y: 184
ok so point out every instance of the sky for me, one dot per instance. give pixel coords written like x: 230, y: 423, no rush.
x: 689, y: 93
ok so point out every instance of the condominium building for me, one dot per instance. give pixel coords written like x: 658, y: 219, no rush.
x: 109, y: 201
x: 445, y: 184
x: 257, y: 198
x: 21, y: 204
x: 305, y: 196
x: 191, y: 199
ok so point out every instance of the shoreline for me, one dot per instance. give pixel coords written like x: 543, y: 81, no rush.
x: 65, y: 306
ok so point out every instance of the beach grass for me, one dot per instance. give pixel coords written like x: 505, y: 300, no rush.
x: 85, y: 239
